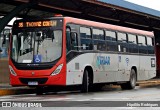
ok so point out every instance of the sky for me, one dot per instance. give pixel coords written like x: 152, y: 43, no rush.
x: 154, y: 4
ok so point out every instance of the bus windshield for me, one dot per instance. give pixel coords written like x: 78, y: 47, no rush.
x: 36, y: 45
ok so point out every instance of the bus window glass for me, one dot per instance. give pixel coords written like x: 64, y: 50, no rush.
x: 68, y: 42
x: 14, y: 48
x: 111, y: 36
x: 142, y: 45
x: 132, y: 43
x: 150, y: 44
x: 123, y: 45
x: 98, y: 40
x: 141, y: 40
x: 98, y: 34
x: 37, y: 46
x: 149, y: 41
x: 85, y: 32
x: 85, y: 36
x: 122, y: 37
x: 132, y: 39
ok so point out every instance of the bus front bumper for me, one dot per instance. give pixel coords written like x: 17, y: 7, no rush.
x: 37, y: 81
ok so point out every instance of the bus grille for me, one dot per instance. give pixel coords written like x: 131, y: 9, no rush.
x: 39, y: 80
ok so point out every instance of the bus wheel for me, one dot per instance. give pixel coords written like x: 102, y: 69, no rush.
x: 85, y: 83
x: 132, y: 82
x: 39, y: 90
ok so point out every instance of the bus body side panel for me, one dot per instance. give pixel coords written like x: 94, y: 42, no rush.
x: 126, y: 62
x: 147, y: 68
x: 109, y: 67
x: 105, y: 68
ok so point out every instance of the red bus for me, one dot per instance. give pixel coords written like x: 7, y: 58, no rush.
x: 65, y: 51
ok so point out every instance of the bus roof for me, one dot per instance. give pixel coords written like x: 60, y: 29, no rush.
x: 107, y: 26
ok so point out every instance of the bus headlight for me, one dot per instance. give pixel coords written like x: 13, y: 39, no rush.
x: 12, y: 71
x: 58, y: 70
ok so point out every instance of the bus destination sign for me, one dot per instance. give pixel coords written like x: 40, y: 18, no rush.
x: 46, y: 23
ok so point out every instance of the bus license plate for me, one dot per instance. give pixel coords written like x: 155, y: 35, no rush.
x: 32, y: 83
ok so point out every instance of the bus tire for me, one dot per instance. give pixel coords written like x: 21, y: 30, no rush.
x: 39, y: 90
x: 85, y: 82
x: 132, y: 82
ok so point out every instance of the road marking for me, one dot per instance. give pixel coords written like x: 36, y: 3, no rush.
x: 39, y: 98
x: 101, y: 99
x: 104, y: 99
x: 142, y: 96
x: 53, y: 99
x: 82, y: 100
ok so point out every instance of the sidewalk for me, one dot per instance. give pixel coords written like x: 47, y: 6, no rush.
x: 6, y: 89
x: 151, y: 81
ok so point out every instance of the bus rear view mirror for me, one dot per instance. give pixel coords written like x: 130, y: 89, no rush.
x: 73, y: 37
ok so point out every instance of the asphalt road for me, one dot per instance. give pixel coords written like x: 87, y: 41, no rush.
x: 142, y: 97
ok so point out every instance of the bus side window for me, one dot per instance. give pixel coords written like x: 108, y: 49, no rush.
x: 86, y: 40
x: 74, y: 42
x: 122, y: 42
x: 98, y: 40
x: 150, y: 46
x: 142, y: 44
x: 111, y: 41
x: 132, y: 42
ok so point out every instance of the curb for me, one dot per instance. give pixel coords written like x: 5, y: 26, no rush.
x: 148, y: 82
x: 16, y: 91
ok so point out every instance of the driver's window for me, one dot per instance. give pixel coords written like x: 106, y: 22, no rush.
x: 71, y: 39
x: 68, y: 41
